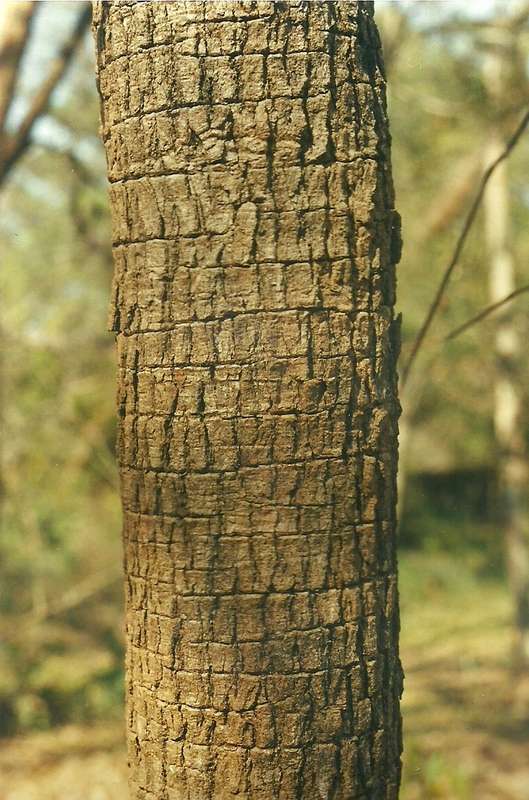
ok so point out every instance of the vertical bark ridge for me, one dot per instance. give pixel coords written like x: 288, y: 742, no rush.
x: 254, y: 246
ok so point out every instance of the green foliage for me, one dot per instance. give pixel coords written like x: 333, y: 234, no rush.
x: 454, y: 513
x: 61, y: 651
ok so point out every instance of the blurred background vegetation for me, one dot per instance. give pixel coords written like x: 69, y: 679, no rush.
x: 466, y: 703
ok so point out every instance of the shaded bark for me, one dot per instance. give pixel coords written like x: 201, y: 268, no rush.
x: 255, y: 240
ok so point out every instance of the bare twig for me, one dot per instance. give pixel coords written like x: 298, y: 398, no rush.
x: 73, y: 598
x: 485, y: 313
x: 17, y: 21
x: 467, y: 225
x: 77, y: 595
x: 17, y: 144
x: 446, y: 208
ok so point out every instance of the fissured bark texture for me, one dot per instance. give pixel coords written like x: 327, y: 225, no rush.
x: 255, y: 241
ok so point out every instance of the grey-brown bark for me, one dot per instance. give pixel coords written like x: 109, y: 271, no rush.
x: 255, y: 240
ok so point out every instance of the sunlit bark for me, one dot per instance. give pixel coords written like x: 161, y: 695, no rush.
x: 255, y: 239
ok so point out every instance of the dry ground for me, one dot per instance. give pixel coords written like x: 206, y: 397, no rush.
x: 466, y: 714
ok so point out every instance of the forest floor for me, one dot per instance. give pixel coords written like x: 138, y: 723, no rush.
x: 466, y: 715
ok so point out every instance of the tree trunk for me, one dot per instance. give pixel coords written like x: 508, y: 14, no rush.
x: 254, y: 242
x: 512, y: 455
x: 512, y: 464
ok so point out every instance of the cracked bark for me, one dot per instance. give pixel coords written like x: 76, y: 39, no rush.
x: 254, y: 244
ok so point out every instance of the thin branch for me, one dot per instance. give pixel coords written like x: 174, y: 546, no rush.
x: 447, y: 208
x: 73, y: 598
x: 77, y: 595
x: 17, y: 21
x: 18, y: 144
x: 467, y: 225
x: 485, y: 313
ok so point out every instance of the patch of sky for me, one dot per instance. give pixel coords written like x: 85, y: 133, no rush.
x: 425, y: 13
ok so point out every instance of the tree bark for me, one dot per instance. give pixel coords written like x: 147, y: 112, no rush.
x: 255, y: 239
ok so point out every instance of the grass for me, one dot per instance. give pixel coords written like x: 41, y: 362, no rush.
x: 466, y: 714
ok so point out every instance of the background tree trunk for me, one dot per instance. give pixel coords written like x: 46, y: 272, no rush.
x: 513, y: 471
x: 255, y: 240
x: 512, y: 456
